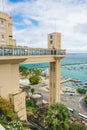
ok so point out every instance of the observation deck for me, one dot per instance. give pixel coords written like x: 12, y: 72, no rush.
x: 25, y: 51
x: 29, y: 55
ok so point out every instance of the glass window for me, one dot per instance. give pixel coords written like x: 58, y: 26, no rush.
x: 51, y: 36
x: 2, y: 22
x: 2, y: 30
x: 2, y: 36
x: 51, y: 42
x: 1, y: 52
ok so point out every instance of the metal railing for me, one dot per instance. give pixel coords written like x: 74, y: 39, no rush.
x: 25, y: 51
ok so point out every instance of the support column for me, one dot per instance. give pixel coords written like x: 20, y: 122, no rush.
x: 57, y: 81
x: 54, y: 83
x: 9, y: 88
x: 9, y: 79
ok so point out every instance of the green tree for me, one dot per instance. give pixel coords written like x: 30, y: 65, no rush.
x: 57, y: 117
x: 85, y: 99
x: 34, y: 72
x: 74, y: 126
x: 23, y: 70
x: 34, y: 79
x: 37, y: 72
x: 81, y: 90
x: 30, y: 106
x: 29, y: 87
x: 32, y: 90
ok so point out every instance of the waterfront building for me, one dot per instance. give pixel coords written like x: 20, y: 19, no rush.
x: 6, y: 37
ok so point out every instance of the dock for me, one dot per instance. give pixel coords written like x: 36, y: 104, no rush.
x: 70, y: 79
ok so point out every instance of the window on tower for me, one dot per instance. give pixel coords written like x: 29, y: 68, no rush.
x: 2, y: 36
x: 2, y: 29
x: 2, y: 22
x: 51, y: 36
x: 51, y: 42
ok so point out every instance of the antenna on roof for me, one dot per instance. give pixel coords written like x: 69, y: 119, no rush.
x: 55, y: 24
x: 3, y: 5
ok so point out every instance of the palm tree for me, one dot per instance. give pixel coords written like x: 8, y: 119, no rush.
x: 77, y: 127
x: 57, y: 117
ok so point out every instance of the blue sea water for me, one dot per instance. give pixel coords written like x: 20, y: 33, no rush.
x: 74, y: 65
x: 75, y: 58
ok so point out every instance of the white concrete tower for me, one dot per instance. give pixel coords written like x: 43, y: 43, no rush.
x: 54, y: 42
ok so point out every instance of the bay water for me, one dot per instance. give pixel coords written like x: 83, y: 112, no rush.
x: 74, y: 65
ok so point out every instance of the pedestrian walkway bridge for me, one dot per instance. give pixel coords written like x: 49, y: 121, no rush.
x: 11, y: 57
x: 26, y: 55
x: 25, y: 51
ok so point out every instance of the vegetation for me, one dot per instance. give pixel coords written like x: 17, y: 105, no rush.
x: 3, y: 119
x: 37, y: 72
x: 85, y: 99
x: 8, y: 116
x: 57, y: 117
x: 30, y: 90
x: 32, y: 73
x: 74, y: 126
x: 81, y: 90
x: 34, y: 79
x: 6, y: 109
x: 23, y: 70
x: 30, y: 106
x: 14, y: 125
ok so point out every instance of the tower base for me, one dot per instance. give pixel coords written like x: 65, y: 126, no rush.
x: 18, y: 100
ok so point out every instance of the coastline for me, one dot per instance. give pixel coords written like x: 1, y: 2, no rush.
x: 69, y: 83
x: 73, y: 64
x: 44, y: 85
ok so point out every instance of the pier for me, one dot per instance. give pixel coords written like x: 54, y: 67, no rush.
x: 70, y: 79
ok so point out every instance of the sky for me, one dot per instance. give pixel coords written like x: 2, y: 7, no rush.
x: 33, y: 20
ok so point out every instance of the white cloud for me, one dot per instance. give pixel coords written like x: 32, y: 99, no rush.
x: 67, y: 17
x: 27, y: 22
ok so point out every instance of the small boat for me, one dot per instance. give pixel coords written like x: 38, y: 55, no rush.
x: 85, y: 86
x: 86, y: 83
x: 81, y: 84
